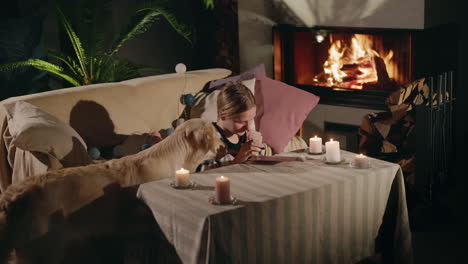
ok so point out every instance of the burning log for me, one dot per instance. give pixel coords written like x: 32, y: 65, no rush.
x: 382, y: 74
x: 351, y: 70
x: 383, y: 80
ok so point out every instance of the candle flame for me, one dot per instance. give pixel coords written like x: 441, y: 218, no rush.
x: 315, y: 136
x: 331, y: 139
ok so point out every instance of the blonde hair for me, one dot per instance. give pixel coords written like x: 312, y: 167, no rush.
x: 233, y: 99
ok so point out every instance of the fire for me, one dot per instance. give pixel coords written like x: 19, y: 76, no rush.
x: 355, y: 64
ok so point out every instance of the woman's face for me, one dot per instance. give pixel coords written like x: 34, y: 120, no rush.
x: 239, y: 124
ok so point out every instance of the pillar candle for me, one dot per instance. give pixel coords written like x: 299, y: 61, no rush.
x: 222, y: 190
x: 315, y: 145
x: 182, y: 177
x: 361, y: 161
x: 332, y: 149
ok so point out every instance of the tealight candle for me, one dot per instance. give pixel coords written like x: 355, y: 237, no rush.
x: 361, y: 161
x: 332, y: 151
x: 222, y: 190
x: 182, y: 177
x: 315, y: 145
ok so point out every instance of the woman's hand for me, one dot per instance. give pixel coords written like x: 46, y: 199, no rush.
x: 256, y: 137
x: 252, y: 147
x: 247, y: 150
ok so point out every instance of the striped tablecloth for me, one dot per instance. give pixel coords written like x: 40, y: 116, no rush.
x: 289, y: 212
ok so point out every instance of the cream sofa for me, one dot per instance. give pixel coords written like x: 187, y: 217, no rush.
x: 134, y: 106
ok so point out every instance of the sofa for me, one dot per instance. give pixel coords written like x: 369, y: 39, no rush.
x: 102, y: 114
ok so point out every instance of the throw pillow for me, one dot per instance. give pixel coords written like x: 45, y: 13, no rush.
x: 206, y: 106
x: 248, y: 75
x: 281, y: 110
x: 33, y: 129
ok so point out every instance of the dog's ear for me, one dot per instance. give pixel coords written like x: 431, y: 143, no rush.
x: 195, y: 132
x: 212, y: 141
x: 195, y: 136
x: 204, y: 136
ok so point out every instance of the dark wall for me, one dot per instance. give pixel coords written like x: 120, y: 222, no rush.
x: 452, y: 11
x: 160, y: 47
x: 217, y: 43
x: 21, y: 38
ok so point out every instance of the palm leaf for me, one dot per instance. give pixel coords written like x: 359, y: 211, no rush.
x: 41, y: 65
x: 75, y: 41
x: 209, y: 4
x: 114, y: 69
x: 140, y: 23
x: 93, y: 28
x: 71, y: 63
x: 178, y: 24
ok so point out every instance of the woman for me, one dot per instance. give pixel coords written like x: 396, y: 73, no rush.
x: 236, y: 114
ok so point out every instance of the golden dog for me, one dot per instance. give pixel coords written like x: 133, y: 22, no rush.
x: 26, y: 207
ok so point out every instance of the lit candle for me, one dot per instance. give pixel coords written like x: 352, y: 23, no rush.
x: 222, y: 190
x: 332, y: 151
x: 315, y: 145
x: 361, y: 161
x: 182, y: 177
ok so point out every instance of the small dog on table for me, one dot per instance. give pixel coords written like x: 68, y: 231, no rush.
x: 27, y: 208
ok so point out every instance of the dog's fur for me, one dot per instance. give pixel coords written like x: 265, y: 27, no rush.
x: 28, y: 205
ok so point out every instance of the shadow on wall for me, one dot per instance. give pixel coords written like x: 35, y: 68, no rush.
x: 94, y: 124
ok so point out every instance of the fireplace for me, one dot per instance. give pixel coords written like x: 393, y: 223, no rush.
x: 356, y: 67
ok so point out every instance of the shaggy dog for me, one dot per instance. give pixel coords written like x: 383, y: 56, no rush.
x: 27, y: 208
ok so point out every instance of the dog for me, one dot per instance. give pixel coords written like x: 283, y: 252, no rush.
x: 26, y: 207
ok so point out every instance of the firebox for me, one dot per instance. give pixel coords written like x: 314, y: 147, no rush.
x: 355, y: 67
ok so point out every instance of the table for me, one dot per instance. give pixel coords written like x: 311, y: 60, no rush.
x: 289, y: 212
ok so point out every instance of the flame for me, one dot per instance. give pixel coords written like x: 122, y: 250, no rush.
x: 353, y: 65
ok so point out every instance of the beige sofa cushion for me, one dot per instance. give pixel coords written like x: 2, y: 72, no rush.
x: 37, y: 141
x: 35, y: 130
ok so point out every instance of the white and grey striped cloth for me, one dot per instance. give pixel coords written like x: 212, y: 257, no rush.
x: 289, y: 212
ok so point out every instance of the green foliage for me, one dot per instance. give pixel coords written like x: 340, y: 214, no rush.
x: 41, y: 65
x: 209, y: 4
x: 90, y: 61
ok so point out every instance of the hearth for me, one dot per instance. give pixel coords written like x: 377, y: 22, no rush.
x: 357, y: 67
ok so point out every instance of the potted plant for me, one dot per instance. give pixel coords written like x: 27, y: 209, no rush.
x: 94, y: 64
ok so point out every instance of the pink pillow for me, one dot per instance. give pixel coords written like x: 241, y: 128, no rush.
x: 281, y: 110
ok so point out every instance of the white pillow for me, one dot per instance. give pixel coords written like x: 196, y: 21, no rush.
x: 33, y: 129
x: 206, y: 106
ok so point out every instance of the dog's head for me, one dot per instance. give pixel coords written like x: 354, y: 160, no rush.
x: 201, y: 135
